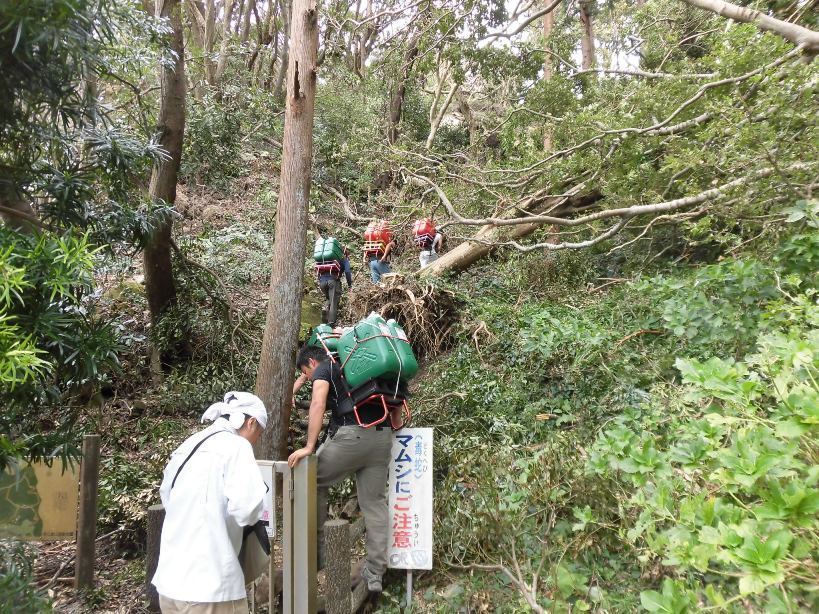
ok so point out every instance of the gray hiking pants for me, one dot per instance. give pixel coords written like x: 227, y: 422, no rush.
x: 331, y: 287
x: 365, y: 453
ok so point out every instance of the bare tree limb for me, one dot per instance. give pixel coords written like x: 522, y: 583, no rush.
x: 658, y: 128
x: 644, y: 74
x: 14, y: 216
x: 802, y: 37
x: 526, y: 591
x: 623, y: 212
x: 349, y: 213
x: 533, y: 17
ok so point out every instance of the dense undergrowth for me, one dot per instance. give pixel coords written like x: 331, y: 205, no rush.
x: 649, y: 444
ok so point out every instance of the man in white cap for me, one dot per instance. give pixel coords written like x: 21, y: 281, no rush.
x: 211, y: 490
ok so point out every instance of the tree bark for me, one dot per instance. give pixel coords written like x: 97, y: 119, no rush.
x: 436, y: 123
x: 397, y: 101
x: 548, y: 68
x: 159, y: 281
x: 275, y: 375
x: 223, y: 48
x: 16, y: 212
x: 286, y: 8
x: 209, y: 39
x: 250, y: 8
x: 587, y: 35
x: 800, y: 36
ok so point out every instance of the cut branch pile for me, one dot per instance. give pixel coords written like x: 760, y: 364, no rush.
x: 428, y: 313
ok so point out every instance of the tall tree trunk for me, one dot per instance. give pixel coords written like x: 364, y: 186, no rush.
x: 397, y: 101
x: 548, y: 67
x: 240, y: 16
x: 286, y: 7
x: 209, y: 40
x: 159, y: 281
x: 223, y: 49
x: 250, y: 8
x: 266, y: 33
x: 469, y: 118
x: 196, y: 41
x: 436, y: 123
x: 274, y: 380
x: 587, y: 35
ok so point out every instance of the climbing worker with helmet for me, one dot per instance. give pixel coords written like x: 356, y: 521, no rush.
x: 332, y: 259
x: 350, y: 449
x: 213, y: 493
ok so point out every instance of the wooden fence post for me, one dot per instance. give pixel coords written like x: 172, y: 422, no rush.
x: 156, y: 516
x: 87, y: 521
x: 337, y: 557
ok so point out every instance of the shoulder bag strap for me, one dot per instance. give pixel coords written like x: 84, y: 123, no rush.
x: 195, y: 448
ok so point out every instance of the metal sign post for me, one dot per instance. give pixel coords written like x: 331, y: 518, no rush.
x: 299, y: 503
x: 409, y: 590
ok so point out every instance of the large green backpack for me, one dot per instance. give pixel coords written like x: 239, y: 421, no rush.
x: 376, y: 349
x: 327, y: 250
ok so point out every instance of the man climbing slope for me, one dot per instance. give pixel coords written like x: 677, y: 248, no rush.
x: 211, y: 490
x: 329, y: 268
x: 349, y: 450
x: 379, y: 247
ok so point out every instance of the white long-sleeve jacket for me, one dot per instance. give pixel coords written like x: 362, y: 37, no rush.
x: 219, y: 491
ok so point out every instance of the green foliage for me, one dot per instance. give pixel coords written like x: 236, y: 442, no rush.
x: 71, y: 166
x: 52, y: 345
x: 217, y: 327
x: 17, y: 591
x: 213, y: 142
x: 667, y: 424
x: 45, y: 48
x: 58, y: 145
x: 239, y: 254
x: 345, y: 128
x: 129, y: 476
x: 720, y: 302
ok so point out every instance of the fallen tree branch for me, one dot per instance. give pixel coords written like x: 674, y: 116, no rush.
x: 560, y: 246
x: 637, y: 333
x: 657, y: 129
x: 624, y: 212
x: 349, y: 212
x: 642, y: 73
x: 802, y: 37
x: 526, y: 591
x: 70, y: 559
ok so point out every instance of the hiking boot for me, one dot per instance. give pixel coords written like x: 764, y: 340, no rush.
x: 373, y: 581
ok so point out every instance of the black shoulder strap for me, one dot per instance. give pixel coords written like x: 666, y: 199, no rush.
x: 346, y: 396
x: 195, y: 448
